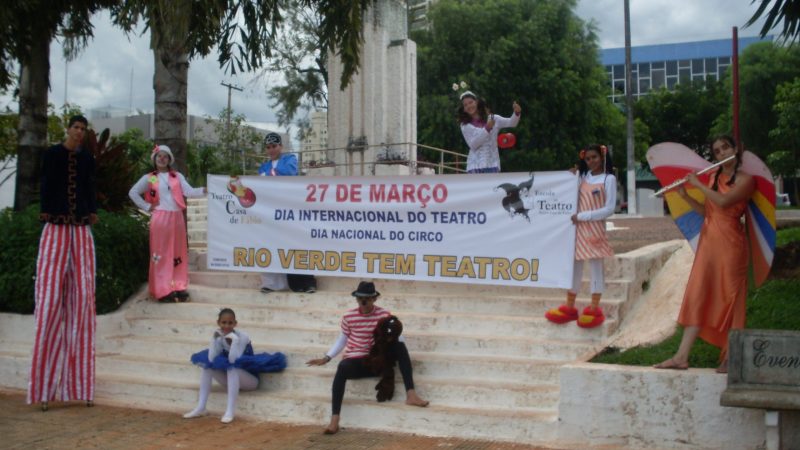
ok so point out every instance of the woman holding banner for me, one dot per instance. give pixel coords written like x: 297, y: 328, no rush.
x: 282, y: 164
x: 596, y: 200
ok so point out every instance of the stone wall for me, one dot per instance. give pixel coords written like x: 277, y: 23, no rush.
x: 640, y: 407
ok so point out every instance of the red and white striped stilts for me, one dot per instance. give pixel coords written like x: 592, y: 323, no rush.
x: 63, y: 360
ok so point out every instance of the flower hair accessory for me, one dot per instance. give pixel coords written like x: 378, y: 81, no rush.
x: 582, y: 154
x: 463, y: 85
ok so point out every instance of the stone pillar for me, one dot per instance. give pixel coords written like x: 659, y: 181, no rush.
x: 379, y: 106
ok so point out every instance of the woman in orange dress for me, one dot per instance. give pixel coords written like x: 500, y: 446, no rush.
x: 714, y: 302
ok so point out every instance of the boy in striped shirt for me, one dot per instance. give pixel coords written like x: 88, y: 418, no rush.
x: 356, y: 339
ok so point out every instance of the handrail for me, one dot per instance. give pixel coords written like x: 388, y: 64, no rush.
x: 413, y: 164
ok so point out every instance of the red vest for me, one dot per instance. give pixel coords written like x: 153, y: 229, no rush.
x: 151, y: 195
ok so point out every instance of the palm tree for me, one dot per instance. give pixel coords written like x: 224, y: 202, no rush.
x: 785, y: 11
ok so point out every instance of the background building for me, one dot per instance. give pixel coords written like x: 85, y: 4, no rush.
x: 666, y: 65
x: 314, y: 144
x: 200, y: 130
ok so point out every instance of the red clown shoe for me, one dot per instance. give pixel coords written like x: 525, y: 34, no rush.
x: 591, y: 317
x: 562, y: 314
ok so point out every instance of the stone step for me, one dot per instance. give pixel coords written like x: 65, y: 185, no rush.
x: 279, y: 336
x: 194, y: 217
x: 615, y: 288
x: 490, y: 369
x: 266, y: 315
x: 15, y: 366
x: 196, y: 235
x: 317, y: 380
x: 518, y: 306
x: 300, y: 407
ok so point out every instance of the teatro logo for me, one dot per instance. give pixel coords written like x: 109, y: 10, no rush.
x: 513, y: 201
x: 244, y: 195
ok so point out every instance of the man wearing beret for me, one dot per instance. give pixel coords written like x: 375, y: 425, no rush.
x: 356, y: 338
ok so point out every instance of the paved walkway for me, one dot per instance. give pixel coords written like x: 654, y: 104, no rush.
x: 73, y: 425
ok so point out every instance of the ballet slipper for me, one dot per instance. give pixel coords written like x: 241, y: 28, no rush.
x: 227, y: 418
x: 44, y: 406
x: 330, y: 430
x: 671, y: 364
x: 195, y: 413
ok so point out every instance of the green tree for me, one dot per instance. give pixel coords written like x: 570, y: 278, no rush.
x: 26, y: 30
x: 243, y: 32
x: 536, y: 52
x: 786, y: 134
x: 138, y: 149
x: 786, y: 11
x: 686, y: 115
x: 762, y: 68
x: 9, y: 123
x: 301, y: 63
x: 235, y: 143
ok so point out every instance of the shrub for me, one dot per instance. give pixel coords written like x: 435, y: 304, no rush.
x: 19, y: 239
x: 121, y: 252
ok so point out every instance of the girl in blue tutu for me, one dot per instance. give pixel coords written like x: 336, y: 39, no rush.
x: 229, y: 359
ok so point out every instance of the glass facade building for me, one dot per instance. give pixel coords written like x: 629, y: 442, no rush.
x: 666, y: 65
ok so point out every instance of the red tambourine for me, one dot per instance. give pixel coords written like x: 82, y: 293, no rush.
x: 506, y: 140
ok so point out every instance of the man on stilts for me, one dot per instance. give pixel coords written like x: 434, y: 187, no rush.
x: 63, y: 357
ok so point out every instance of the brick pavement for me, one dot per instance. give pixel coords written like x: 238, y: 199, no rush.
x: 73, y: 425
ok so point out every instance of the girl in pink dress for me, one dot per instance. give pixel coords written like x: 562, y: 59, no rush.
x: 161, y: 193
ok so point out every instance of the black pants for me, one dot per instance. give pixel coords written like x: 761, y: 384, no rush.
x: 301, y: 282
x: 354, y: 368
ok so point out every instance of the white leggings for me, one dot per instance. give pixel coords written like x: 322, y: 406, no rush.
x: 234, y: 379
x: 597, y: 285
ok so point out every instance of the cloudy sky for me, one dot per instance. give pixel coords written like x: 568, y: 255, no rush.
x: 102, y: 75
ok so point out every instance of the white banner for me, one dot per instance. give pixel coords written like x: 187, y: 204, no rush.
x: 510, y: 228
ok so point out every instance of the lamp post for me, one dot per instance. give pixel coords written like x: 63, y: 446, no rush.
x: 629, y: 108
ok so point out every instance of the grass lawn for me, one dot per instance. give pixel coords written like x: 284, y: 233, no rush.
x: 775, y: 305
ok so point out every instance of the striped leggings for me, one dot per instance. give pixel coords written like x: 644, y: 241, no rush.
x: 63, y: 363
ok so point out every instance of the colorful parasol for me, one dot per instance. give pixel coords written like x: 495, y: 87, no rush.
x: 670, y: 162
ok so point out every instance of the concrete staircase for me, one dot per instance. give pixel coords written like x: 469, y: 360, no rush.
x: 483, y: 355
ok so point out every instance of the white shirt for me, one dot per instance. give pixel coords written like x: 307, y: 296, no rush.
x: 235, y: 349
x: 482, y: 144
x: 165, y: 200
